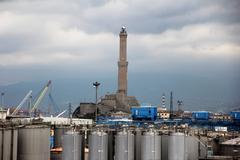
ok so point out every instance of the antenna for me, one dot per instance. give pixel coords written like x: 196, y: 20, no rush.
x: 171, y: 105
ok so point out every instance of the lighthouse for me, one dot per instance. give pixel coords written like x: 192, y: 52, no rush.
x: 122, y: 63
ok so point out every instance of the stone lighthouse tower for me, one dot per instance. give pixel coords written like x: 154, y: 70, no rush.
x: 122, y: 63
x: 120, y: 101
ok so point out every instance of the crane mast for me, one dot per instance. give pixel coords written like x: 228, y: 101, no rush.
x: 40, y: 97
x: 22, y: 102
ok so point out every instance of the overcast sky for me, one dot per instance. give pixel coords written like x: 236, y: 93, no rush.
x: 55, y: 39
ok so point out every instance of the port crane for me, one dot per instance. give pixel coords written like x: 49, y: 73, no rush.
x: 28, y: 95
x: 38, y: 100
x: 40, y: 97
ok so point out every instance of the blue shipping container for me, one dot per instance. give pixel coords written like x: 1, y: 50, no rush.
x: 200, y: 115
x: 144, y: 113
x: 235, y: 115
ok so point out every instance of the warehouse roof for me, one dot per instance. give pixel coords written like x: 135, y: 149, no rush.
x: 235, y: 141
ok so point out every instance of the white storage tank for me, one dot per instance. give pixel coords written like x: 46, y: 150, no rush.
x: 176, y: 146
x: 98, y: 145
x: 124, y: 145
x: 73, y: 146
x: 151, y: 145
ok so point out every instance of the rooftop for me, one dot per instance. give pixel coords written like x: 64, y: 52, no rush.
x: 235, y: 141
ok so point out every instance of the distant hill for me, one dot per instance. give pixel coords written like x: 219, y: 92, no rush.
x: 63, y: 91
x: 196, y: 93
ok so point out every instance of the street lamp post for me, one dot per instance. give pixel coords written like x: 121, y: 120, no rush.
x: 96, y: 84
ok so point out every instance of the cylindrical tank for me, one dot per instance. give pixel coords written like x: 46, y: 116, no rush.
x: 33, y: 142
x: 73, y: 146
x: 8, y: 144
x: 98, y: 145
x: 137, y: 144
x: 59, y: 131
x: 176, y: 146
x: 124, y: 145
x: 151, y: 146
x: 191, y: 148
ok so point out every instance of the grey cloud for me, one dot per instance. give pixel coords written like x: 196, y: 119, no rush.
x: 143, y: 17
x: 14, y: 43
x: 60, y: 38
x: 140, y: 16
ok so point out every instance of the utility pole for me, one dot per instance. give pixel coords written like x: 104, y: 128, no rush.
x: 96, y: 84
x: 171, y: 105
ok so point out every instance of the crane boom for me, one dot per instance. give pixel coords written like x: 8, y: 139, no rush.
x: 41, y: 96
x: 22, y: 102
x: 60, y: 114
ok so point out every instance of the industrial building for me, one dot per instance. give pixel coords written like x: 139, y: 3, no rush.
x: 60, y: 140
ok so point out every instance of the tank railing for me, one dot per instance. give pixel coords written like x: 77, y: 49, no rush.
x: 98, y: 128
